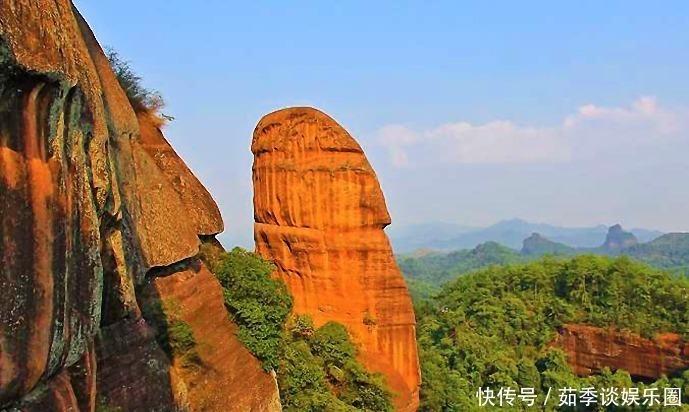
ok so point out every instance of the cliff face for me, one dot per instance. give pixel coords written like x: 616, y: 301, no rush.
x: 618, y: 239
x: 227, y: 377
x: 93, y: 205
x: 590, y: 349
x: 194, y: 197
x: 320, y: 214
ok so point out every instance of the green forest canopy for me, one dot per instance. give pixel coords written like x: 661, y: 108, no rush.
x: 492, y: 327
x: 427, y: 272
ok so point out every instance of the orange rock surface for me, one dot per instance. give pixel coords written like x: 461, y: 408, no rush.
x: 229, y: 378
x: 93, y: 204
x: 319, y: 216
x: 590, y: 349
x: 200, y: 206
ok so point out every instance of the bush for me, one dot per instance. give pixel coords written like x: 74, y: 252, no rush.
x: 331, y: 343
x: 173, y: 334
x: 181, y: 337
x: 143, y: 100
x: 317, y: 369
x: 302, y: 326
x: 323, y: 364
x: 259, y: 304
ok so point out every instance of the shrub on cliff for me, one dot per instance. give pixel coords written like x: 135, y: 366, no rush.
x: 142, y: 99
x: 258, y: 303
x: 173, y: 334
x: 317, y: 369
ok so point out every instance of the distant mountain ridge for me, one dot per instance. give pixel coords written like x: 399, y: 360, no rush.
x: 426, y: 271
x: 618, y: 239
x: 511, y: 233
x: 668, y: 251
x: 537, y: 245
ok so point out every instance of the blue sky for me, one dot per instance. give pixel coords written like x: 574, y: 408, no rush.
x: 470, y: 112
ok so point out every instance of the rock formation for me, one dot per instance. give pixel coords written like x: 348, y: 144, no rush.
x: 320, y: 214
x: 618, y: 239
x: 590, y: 349
x: 94, y: 205
x: 229, y: 377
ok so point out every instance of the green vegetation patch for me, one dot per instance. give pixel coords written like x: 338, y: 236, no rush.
x: 142, y: 99
x: 492, y: 328
x: 317, y: 369
x: 259, y: 304
x: 173, y: 334
x: 319, y: 372
x: 425, y: 274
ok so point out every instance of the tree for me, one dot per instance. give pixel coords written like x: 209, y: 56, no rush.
x: 317, y: 369
x: 494, y: 327
x: 259, y: 304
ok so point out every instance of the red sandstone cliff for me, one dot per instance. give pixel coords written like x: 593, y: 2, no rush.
x: 590, y: 349
x: 229, y: 378
x: 94, y: 205
x: 320, y: 214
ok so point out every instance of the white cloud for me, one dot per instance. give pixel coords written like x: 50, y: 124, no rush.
x: 397, y: 135
x: 644, y: 113
x: 399, y: 157
x: 592, y: 129
x: 499, y: 142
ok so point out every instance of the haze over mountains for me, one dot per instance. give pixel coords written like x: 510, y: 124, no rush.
x: 668, y: 252
x: 511, y: 233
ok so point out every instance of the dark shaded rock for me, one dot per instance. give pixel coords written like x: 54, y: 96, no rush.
x: 73, y: 389
x: 87, y: 208
x: 133, y: 372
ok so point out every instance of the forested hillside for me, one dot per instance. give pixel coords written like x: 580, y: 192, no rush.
x: 495, y: 327
x: 426, y: 272
x: 670, y: 251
